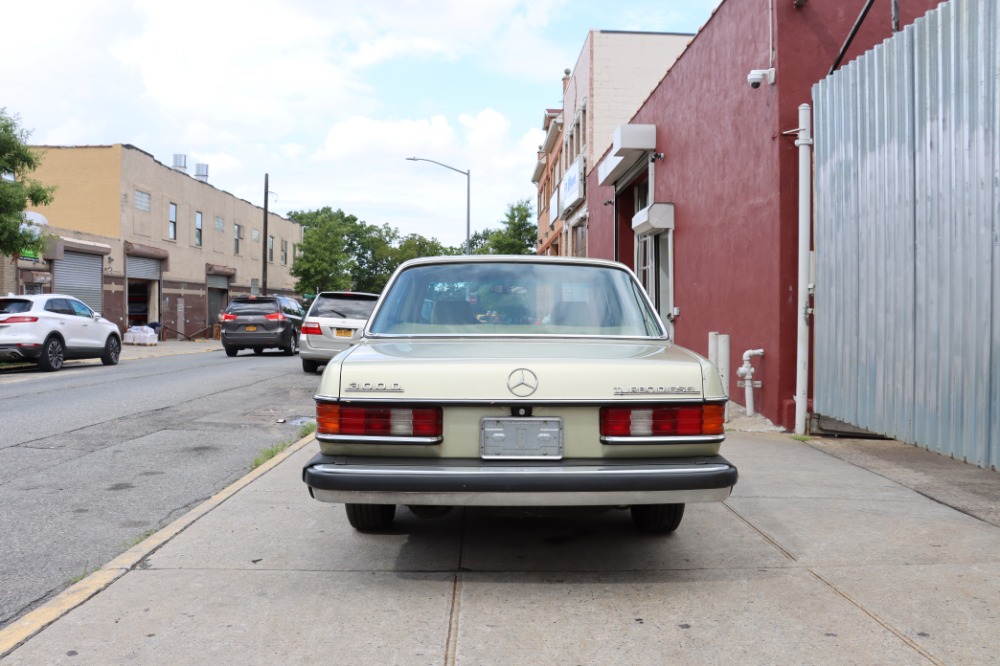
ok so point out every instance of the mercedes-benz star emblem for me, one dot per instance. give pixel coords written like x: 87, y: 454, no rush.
x: 522, y: 382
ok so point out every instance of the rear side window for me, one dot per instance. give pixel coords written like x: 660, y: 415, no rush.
x: 59, y: 306
x: 344, y: 306
x: 14, y: 305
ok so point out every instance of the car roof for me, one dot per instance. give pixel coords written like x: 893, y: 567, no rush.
x: 38, y: 297
x: 512, y: 258
x: 363, y: 294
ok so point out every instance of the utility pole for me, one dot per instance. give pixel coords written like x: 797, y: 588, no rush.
x: 263, y: 263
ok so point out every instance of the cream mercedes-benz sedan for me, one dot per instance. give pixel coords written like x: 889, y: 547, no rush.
x: 521, y: 381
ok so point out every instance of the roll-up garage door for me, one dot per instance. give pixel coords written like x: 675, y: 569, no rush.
x: 80, y: 275
x: 143, y: 267
x: 217, y: 281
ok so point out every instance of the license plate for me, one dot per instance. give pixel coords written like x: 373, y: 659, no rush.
x: 344, y: 332
x: 250, y: 328
x: 534, y: 437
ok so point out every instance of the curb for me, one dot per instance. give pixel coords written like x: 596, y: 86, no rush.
x: 23, y: 629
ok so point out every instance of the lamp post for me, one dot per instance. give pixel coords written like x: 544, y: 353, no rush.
x: 468, y: 189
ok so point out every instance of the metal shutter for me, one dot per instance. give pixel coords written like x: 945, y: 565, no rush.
x: 80, y: 275
x: 217, y: 281
x: 142, y: 267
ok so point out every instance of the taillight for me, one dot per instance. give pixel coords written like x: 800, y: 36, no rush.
x: 275, y: 316
x: 228, y: 316
x: 662, y: 420
x: 19, y: 319
x: 378, y: 420
x: 311, y: 328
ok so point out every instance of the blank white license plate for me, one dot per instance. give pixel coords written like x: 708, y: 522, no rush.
x: 530, y: 437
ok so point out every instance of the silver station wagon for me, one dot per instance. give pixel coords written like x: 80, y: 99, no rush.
x: 518, y: 382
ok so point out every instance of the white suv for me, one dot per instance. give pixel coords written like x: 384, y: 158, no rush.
x: 48, y: 329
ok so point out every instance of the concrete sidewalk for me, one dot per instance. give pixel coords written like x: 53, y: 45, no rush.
x: 169, y: 348
x: 825, y: 554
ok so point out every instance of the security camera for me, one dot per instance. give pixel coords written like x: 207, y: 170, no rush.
x: 758, y: 76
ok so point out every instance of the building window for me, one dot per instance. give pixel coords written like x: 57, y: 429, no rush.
x: 284, y: 253
x: 197, y: 228
x: 255, y: 235
x: 270, y: 249
x: 237, y: 234
x: 143, y: 201
x: 172, y: 222
x: 220, y: 225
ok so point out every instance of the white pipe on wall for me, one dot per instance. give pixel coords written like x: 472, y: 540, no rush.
x: 804, y: 143
x: 746, y: 372
x: 724, y: 367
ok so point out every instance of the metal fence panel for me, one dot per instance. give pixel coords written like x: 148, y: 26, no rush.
x: 907, y: 234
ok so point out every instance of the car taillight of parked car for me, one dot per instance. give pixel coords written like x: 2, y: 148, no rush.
x: 378, y: 420
x: 19, y: 319
x: 311, y: 328
x: 228, y: 316
x: 662, y: 420
x: 275, y: 316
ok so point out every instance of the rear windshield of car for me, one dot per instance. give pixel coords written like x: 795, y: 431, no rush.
x: 253, y: 307
x: 14, y: 305
x: 516, y: 298
x: 342, y: 305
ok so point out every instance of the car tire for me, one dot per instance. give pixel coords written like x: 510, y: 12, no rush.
x: 292, y: 348
x: 657, y: 518
x: 112, y: 351
x: 428, y: 511
x: 370, y: 517
x: 309, y: 366
x: 231, y: 351
x: 53, y: 354
x: 258, y: 350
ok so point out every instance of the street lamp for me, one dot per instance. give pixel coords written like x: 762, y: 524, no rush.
x: 468, y: 189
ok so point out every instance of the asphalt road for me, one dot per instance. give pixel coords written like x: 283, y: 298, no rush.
x: 93, y: 458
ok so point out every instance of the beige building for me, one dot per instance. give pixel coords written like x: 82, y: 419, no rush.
x: 142, y: 242
x: 614, y: 74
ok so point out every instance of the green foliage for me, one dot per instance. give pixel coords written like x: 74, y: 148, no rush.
x: 324, y: 262
x: 518, y: 235
x: 17, y: 190
x: 340, y: 252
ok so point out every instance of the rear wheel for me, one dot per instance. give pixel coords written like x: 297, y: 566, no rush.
x: 657, y: 518
x: 292, y: 347
x: 309, y: 366
x: 231, y: 351
x: 370, y: 517
x: 53, y: 355
x: 112, y: 351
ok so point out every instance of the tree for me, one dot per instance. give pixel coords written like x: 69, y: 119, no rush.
x: 18, y: 191
x: 324, y: 262
x: 518, y: 235
x: 374, y: 256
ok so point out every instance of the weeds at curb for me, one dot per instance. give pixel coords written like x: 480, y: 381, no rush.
x: 86, y: 572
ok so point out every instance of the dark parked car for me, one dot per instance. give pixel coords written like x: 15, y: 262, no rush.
x: 261, y: 322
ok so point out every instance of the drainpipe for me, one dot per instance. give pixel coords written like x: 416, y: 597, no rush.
x: 746, y: 372
x: 804, y: 143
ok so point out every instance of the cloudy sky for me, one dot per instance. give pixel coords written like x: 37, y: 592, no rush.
x: 326, y: 96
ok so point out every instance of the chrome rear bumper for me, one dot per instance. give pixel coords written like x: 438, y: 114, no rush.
x: 479, y: 483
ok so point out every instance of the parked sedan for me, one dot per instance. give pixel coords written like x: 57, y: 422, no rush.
x: 513, y: 382
x: 261, y: 322
x: 48, y: 329
x: 334, y: 323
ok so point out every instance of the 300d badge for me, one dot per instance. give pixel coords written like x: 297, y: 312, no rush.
x: 374, y: 387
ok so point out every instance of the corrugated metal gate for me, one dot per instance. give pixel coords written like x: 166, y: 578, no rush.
x: 80, y: 275
x: 142, y: 267
x: 907, y: 187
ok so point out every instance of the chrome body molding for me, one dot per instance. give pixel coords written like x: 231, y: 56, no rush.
x: 583, y: 498
x: 373, y: 439
x: 682, y: 439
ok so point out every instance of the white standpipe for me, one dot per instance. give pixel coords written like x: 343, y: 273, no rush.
x: 746, y: 372
x: 804, y: 143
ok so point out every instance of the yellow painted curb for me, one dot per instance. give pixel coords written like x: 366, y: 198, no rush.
x: 20, y: 631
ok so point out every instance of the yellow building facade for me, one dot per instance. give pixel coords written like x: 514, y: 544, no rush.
x: 143, y: 242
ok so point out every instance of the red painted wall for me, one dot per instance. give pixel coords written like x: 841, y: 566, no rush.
x: 733, y: 176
